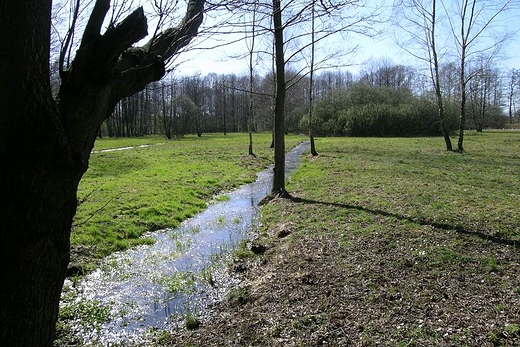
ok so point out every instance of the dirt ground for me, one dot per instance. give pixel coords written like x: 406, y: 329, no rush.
x: 430, y: 287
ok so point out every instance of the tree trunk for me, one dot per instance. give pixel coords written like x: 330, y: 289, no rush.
x: 462, y: 122
x: 511, y: 95
x: 38, y: 180
x: 45, y: 146
x: 311, y: 83
x: 279, y: 112
x: 250, y: 106
x: 447, y: 140
x: 35, y: 252
x: 437, y: 81
x: 462, y: 73
x: 224, y: 110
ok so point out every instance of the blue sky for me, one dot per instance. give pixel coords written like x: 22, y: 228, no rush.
x: 217, y: 60
x: 380, y: 47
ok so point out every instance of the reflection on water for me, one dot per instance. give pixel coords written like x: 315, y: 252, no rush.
x: 151, y: 286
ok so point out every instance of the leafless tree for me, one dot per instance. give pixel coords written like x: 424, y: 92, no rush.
x: 421, y: 24
x: 513, y: 90
x: 291, y: 44
x: 311, y: 77
x: 250, y: 110
x: 474, y: 19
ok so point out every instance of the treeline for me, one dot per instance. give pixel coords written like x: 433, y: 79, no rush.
x: 385, y: 100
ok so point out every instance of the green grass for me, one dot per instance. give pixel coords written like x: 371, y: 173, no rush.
x: 191, y: 321
x: 415, y: 180
x: 127, y: 193
x: 180, y: 282
x: 393, y: 242
x: 416, y: 220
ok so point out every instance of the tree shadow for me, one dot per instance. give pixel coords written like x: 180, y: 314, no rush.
x: 444, y: 226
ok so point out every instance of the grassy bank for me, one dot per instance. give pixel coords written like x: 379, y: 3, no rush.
x: 393, y: 242
x: 155, y: 185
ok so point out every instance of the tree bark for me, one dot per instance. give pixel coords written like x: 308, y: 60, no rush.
x: 436, y: 79
x: 45, y: 145
x: 38, y: 180
x: 250, y: 106
x: 462, y: 82
x: 279, y: 112
x: 311, y: 82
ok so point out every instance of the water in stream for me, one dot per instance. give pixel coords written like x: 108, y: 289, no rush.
x: 149, y: 288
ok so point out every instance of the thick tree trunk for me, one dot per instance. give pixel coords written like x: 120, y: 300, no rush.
x: 38, y: 180
x: 45, y: 147
x: 35, y: 239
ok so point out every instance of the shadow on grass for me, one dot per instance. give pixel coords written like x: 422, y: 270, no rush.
x: 444, y: 226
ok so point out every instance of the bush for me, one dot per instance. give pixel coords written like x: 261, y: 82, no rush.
x: 376, y: 111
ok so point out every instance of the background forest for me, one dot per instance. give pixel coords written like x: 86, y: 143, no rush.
x: 386, y: 100
x: 324, y: 78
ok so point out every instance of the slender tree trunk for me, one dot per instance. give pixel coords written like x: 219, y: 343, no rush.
x: 166, y: 114
x: 279, y: 112
x: 462, y: 122
x: 437, y: 81
x: 511, y: 95
x: 311, y: 83
x: 273, y: 105
x: 250, y: 108
x: 464, y: 44
x: 224, y: 114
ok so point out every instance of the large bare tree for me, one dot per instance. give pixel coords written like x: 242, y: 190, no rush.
x: 473, y: 24
x: 421, y: 25
x: 46, y: 143
x: 291, y: 44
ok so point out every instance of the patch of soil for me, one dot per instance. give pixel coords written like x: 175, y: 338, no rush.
x: 427, y: 288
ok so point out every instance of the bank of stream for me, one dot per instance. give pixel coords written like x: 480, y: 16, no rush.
x: 134, y: 294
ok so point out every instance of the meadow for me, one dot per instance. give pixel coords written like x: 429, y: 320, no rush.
x: 387, y: 242
x: 156, y: 184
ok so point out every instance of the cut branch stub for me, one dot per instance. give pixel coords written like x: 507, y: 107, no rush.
x: 97, y: 59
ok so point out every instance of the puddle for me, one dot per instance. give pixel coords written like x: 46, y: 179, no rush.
x: 151, y: 287
x: 125, y: 148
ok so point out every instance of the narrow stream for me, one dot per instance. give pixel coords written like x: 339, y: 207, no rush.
x: 149, y: 288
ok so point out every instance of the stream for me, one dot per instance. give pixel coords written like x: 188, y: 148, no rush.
x: 135, y: 293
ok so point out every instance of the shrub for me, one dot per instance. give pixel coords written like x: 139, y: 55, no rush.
x: 376, y: 111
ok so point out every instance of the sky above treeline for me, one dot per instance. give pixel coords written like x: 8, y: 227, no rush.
x: 353, y: 49
x: 383, y: 46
